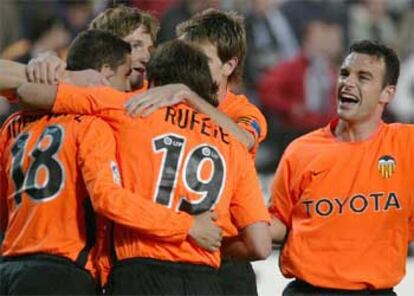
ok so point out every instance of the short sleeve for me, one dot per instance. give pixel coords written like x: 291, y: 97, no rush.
x: 254, y: 122
x: 281, y: 201
x: 247, y: 116
x: 88, y: 100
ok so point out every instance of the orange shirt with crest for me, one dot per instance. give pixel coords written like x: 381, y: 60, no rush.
x: 348, y: 206
x: 179, y: 158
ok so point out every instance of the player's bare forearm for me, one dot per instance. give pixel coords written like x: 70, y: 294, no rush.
x: 252, y: 244
x: 37, y: 96
x: 277, y: 230
x: 233, y: 248
x: 12, y: 75
x: 222, y: 120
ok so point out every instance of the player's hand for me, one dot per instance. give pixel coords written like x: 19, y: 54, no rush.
x: 162, y: 96
x: 46, y: 68
x: 205, y: 232
x: 85, y: 78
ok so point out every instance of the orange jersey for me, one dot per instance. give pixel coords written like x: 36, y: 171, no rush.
x: 48, y: 171
x: 43, y: 197
x: 247, y: 116
x: 178, y: 158
x: 348, y: 207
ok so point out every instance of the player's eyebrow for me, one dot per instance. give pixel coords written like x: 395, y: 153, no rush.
x: 136, y: 41
x: 366, y: 73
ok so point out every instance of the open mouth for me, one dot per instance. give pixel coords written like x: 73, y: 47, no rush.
x: 140, y: 70
x: 348, y: 99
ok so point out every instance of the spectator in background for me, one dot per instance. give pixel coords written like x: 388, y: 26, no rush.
x: 48, y: 35
x: 299, y: 94
x: 402, y: 106
x: 301, y: 91
x: 48, y: 26
x: 76, y: 15
x: 371, y: 20
x: 300, y: 12
x: 179, y: 13
x: 10, y: 24
x: 405, y: 38
x: 270, y: 38
x: 156, y: 8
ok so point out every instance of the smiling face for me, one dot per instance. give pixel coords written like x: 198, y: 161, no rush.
x: 141, y: 48
x: 361, y: 94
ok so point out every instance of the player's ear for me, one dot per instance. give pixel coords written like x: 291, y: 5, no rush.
x: 230, y: 65
x: 107, y: 71
x: 387, y: 94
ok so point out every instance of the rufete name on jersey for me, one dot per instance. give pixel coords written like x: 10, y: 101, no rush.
x: 355, y: 204
x: 189, y: 119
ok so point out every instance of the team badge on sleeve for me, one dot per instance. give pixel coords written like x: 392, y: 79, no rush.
x: 115, y: 172
x: 386, y: 166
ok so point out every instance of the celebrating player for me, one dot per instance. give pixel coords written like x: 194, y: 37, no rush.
x: 221, y: 35
x: 49, y: 166
x: 344, y: 191
x: 190, y: 164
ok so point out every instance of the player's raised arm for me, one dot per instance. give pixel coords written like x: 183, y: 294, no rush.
x: 37, y: 96
x: 12, y: 75
x: 46, y: 68
x: 145, y: 103
x: 71, y: 98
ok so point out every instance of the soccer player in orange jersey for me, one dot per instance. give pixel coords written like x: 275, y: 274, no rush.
x: 49, y: 166
x: 132, y: 25
x: 190, y: 164
x: 221, y: 36
x: 212, y: 29
x: 343, y: 192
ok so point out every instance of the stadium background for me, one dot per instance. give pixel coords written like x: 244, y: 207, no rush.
x: 300, y: 39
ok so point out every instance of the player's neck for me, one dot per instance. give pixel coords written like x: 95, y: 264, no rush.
x: 222, y: 92
x: 356, y: 131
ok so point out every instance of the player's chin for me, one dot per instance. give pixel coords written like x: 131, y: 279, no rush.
x: 136, y: 80
x: 347, y: 115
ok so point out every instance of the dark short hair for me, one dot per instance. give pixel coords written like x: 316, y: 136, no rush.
x: 179, y: 62
x: 381, y: 51
x: 94, y: 48
x: 225, y: 30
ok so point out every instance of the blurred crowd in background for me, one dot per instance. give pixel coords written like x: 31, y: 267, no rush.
x: 294, y: 50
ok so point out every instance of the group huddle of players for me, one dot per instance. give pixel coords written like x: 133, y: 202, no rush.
x: 131, y: 171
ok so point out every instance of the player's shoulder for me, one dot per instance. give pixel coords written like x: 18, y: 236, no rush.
x: 18, y: 121
x: 312, y: 141
x: 84, y: 121
x: 75, y: 124
x: 399, y: 128
x: 238, y: 99
x: 400, y: 132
